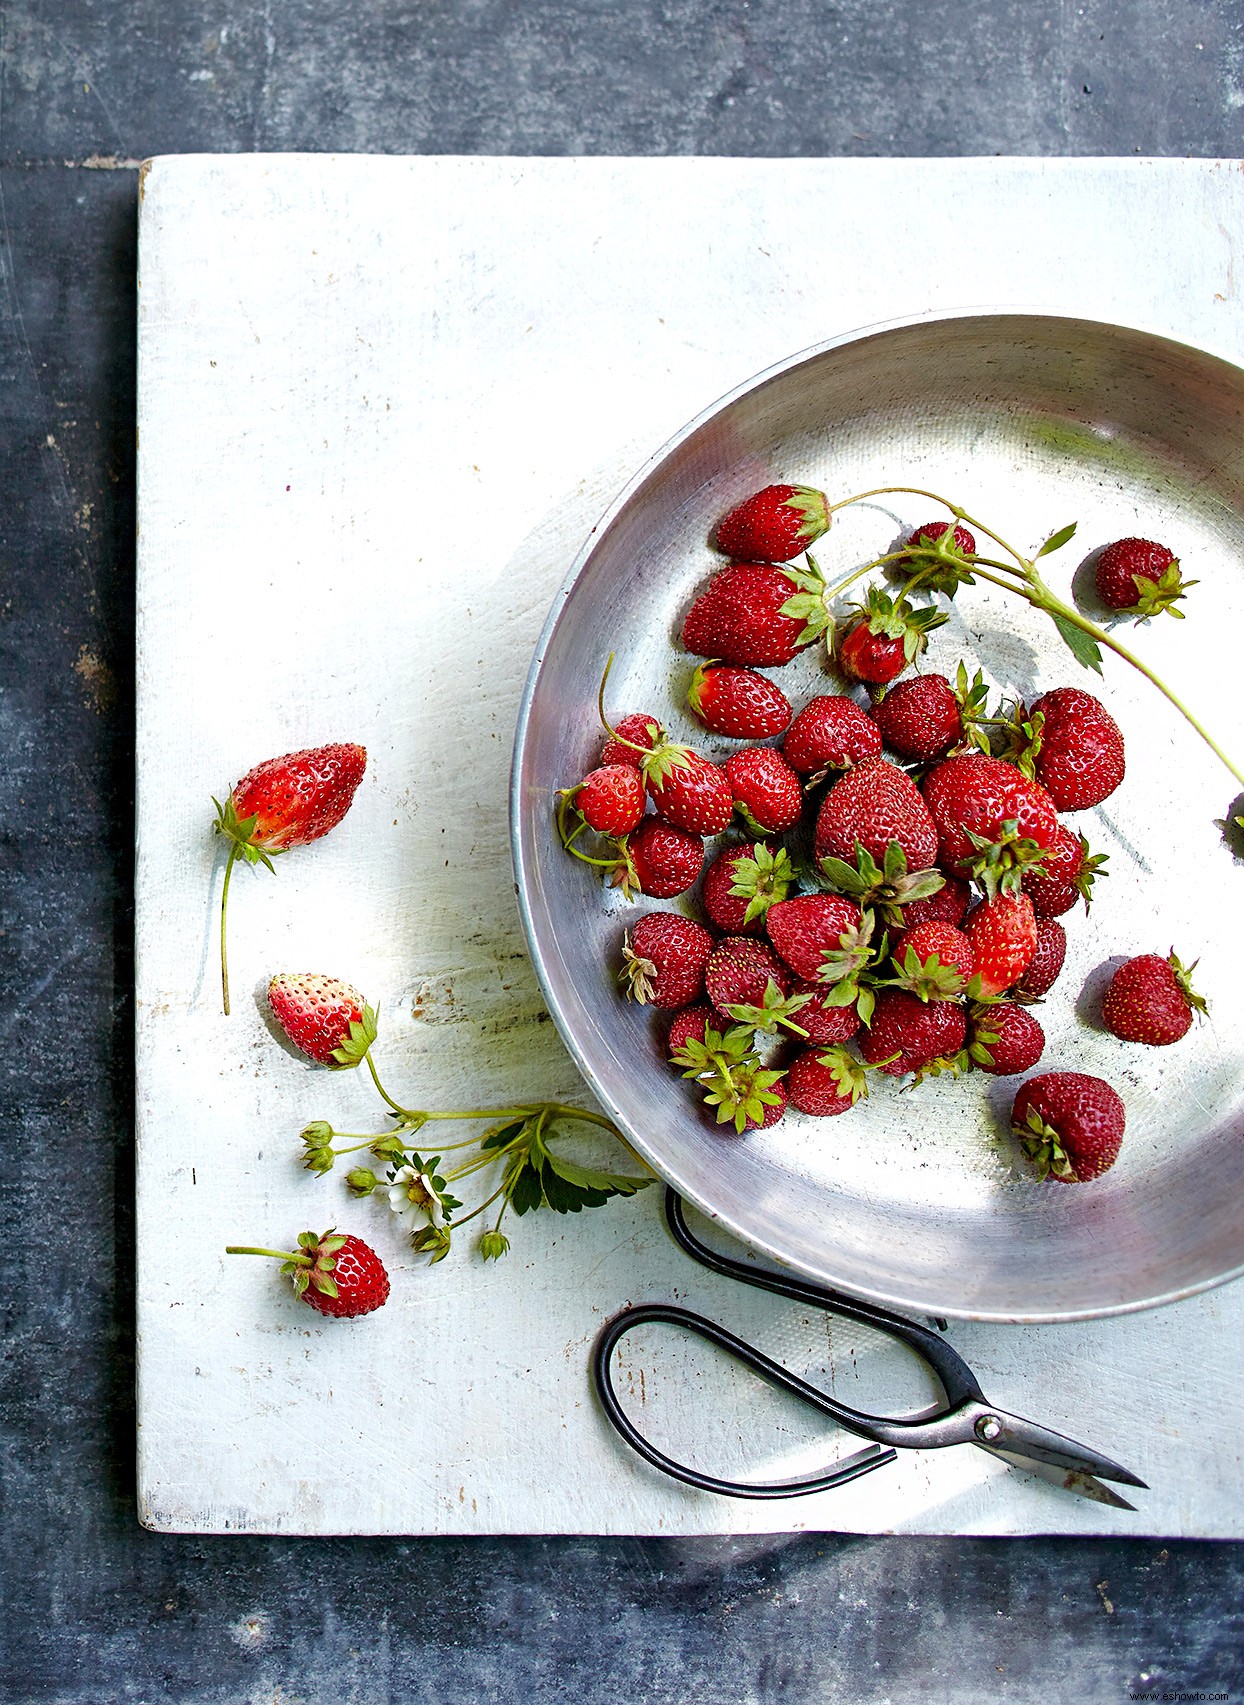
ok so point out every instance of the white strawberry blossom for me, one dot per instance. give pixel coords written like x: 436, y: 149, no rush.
x: 413, y: 1197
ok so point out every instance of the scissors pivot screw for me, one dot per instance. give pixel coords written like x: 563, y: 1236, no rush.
x: 988, y: 1427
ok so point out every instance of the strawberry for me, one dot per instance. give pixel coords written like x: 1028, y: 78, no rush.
x: 1151, y: 999
x: 731, y: 1078
x: 992, y: 820
x: 1080, y: 760
x: 1047, y: 960
x: 767, y: 792
x: 746, y: 981
x: 739, y: 618
x: 1069, y: 1124
x: 1002, y: 933
x: 691, y: 1025
x: 1066, y: 875
x: 611, y: 799
x: 830, y: 732
x: 659, y: 860
x: 916, y: 1031
x: 738, y: 702
x: 808, y: 927
x: 775, y: 524
x: 948, y: 905
x: 920, y: 718
x: 929, y: 534
x: 824, y: 1082
x: 934, y: 961
x: 1140, y: 577
x: 824, y: 1022
x: 323, y: 1017
x: 742, y: 883
x: 687, y: 790
x: 1004, y: 1038
x: 663, y: 960
x: 887, y: 635
x: 632, y: 737
x: 336, y: 1275
x: 283, y: 803
x: 873, y: 804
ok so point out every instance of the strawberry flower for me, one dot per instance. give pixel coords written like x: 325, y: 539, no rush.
x: 414, y: 1197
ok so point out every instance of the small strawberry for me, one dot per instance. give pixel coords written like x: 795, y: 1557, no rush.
x: 1080, y: 760
x: 831, y: 732
x: 1140, y: 577
x: 686, y: 789
x: 691, y: 1025
x: 920, y: 718
x: 663, y: 960
x: 886, y: 637
x: 738, y: 702
x: 889, y: 888
x: 742, y: 883
x: 915, y: 1031
x: 936, y: 562
x: 873, y: 804
x: 1047, y: 960
x: 948, y: 905
x: 992, y: 821
x: 659, y: 860
x: 731, y: 1078
x: 1065, y: 876
x: 740, y: 619
x: 611, y: 799
x: 1151, y: 999
x: 823, y: 1021
x: 824, y: 1082
x: 767, y: 792
x: 934, y: 961
x: 283, y: 803
x: 745, y: 980
x: 1069, y: 1124
x: 323, y: 1017
x: 775, y: 524
x: 334, y: 1274
x: 1003, y: 933
x: 1004, y: 1038
x: 633, y: 736
x: 808, y: 927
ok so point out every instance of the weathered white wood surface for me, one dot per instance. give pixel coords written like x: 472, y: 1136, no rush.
x: 381, y: 402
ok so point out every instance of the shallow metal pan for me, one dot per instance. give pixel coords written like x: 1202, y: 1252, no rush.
x: 919, y: 1200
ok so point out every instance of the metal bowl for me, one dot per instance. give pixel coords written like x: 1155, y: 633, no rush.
x: 921, y: 1200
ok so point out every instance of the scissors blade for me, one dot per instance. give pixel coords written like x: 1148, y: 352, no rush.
x: 1015, y: 1436
x: 1069, y: 1479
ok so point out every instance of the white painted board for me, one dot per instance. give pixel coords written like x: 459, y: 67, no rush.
x: 381, y: 403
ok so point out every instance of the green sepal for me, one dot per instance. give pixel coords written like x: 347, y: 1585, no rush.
x: 809, y: 603
x: 973, y: 700
x: 1183, y: 976
x: 775, y: 1010
x: 928, y: 979
x: 938, y: 564
x: 999, y: 866
x: 1155, y: 597
x: 361, y: 1181
x: 493, y: 1245
x: 433, y: 1240
x: 1044, y: 1147
x: 888, y: 888
x: 352, y: 1050
x: 762, y: 879
x: 239, y: 830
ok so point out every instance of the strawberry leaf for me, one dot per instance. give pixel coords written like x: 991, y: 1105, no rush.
x: 1056, y: 541
x: 1083, y: 646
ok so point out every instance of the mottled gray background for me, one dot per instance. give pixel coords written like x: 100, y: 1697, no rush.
x: 91, y: 1608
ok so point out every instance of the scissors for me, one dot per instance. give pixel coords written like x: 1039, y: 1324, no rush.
x: 965, y: 1418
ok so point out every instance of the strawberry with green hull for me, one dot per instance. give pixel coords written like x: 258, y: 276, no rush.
x: 774, y: 524
x: 738, y: 702
x: 663, y: 960
x: 745, y: 980
x: 934, y: 961
x: 1069, y: 1124
x: 611, y: 800
x: 658, y: 860
x: 947, y: 904
x: 824, y: 1021
x: 920, y: 719
x: 284, y: 803
x: 1065, y: 876
x: 824, y: 1082
x: 907, y: 1033
x: 326, y: 1019
x: 1003, y: 1038
x: 334, y: 1274
x: 742, y: 883
x: 1151, y: 1000
x: 736, y: 1087
x: 886, y: 637
x: 890, y: 889
x: 992, y: 822
x: 831, y: 732
x: 634, y: 735
x: 808, y: 928
x: 741, y: 617
x: 1140, y: 578
x: 870, y: 806
x: 767, y: 792
x: 692, y: 1025
x: 1079, y: 757
x: 940, y: 563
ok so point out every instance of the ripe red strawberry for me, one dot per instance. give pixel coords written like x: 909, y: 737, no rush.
x: 949, y: 905
x: 334, y: 1274
x: 917, y: 1031
x: 1140, y: 577
x: 824, y: 1082
x: 920, y: 718
x: 1047, y: 960
x: 824, y: 1023
x: 687, y: 790
x: 973, y: 795
x: 876, y: 803
x: 1069, y: 1124
x: 283, y: 803
x: 1003, y: 933
x: 831, y: 732
x: 612, y: 799
x: 888, y: 635
x: 1081, y: 759
x: 638, y: 730
x: 691, y: 1023
x: 806, y: 928
x: 660, y: 860
x: 931, y: 531
x: 868, y: 656
x: 738, y: 702
x: 775, y: 524
x: 742, y: 883
x: 739, y: 618
x: 914, y: 952
x: 739, y: 972
x: 1067, y: 876
x: 1004, y: 1038
x: 323, y: 1017
x: 663, y: 960
x: 767, y: 792
x: 1151, y: 999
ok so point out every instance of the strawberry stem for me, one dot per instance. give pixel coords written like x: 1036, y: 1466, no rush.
x: 300, y: 1256
x: 224, y: 903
